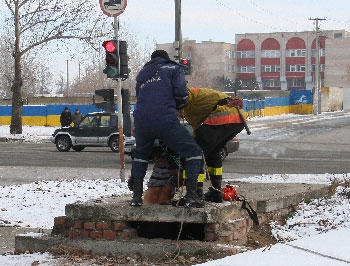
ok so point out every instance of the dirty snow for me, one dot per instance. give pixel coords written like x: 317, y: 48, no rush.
x: 314, y: 223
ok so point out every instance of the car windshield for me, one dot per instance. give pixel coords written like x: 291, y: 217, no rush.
x: 89, y: 121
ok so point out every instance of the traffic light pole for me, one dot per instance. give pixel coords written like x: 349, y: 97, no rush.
x: 178, y: 33
x: 120, y: 113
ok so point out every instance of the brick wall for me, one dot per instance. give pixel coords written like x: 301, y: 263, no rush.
x: 227, y: 231
x: 108, y: 230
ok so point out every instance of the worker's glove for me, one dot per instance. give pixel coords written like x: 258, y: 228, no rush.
x: 235, y: 102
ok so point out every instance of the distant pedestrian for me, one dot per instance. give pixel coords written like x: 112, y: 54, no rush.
x: 66, y: 118
x: 77, y: 117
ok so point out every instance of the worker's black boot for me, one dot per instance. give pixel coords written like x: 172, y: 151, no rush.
x: 138, y: 190
x: 192, y: 199
x: 200, y: 190
x: 215, y: 192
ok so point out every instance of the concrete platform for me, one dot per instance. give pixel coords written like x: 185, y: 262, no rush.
x: 111, y: 226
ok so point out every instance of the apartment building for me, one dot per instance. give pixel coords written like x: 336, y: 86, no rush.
x: 211, y: 59
x: 278, y: 61
x: 285, y: 60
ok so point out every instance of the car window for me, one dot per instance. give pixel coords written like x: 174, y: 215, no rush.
x: 89, y: 121
x: 113, y: 121
x: 105, y: 120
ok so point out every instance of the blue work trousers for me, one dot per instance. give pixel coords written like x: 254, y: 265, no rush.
x: 177, y: 138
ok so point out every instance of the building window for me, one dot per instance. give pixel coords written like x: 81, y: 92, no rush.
x: 229, y: 54
x: 229, y: 68
x: 322, y: 52
x: 296, y: 53
x: 272, y: 83
x: 246, y: 69
x: 295, y: 68
x: 296, y: 83
x: 322, y: 68
x: 270, y: 68
x: 270, y: 54
x: 338, y: 35
x: 245, y: 54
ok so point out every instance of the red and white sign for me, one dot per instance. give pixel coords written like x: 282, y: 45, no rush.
x: 113, y: 8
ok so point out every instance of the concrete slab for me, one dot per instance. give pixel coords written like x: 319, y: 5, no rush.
x: 226, y: 221
x: 262, y: 197
x: 143, y: 246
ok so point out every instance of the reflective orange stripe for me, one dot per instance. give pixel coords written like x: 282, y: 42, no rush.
x: 222, y: 118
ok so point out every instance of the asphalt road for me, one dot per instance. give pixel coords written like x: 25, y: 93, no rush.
x: 313, y: 144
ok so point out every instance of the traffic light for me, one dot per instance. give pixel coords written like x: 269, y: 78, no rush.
x: 186, y: 64
x: 108, y: 100
x: 112, y: 59
x: 125, y: 101
x: 123, y: 55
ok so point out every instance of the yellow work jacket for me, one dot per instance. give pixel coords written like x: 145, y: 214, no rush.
x: 201, y: 107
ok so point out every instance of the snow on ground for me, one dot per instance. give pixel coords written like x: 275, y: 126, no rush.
x: 310, y: 222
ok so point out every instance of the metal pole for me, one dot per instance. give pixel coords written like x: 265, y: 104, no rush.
x: 317, y: 70
x: 317, y: 83
x: 120, y: 115
x: 67, y: 80
x: 178, y: 33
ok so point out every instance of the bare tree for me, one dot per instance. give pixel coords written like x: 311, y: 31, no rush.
x: 201, y: 76
x: 34, y: 23
x: 33, y: 72
x: 138, y: 55
x: 93, y: 77
x: 6, y: 69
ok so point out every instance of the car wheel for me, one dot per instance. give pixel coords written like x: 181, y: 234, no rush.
x: 63, y: 143
x: 78, y: 148
x: 223, y: 154
x: 114, y: 144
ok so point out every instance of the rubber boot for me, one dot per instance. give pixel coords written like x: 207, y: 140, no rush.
x: 200, y: 190
x: 138, y: 190
x: 214, y: 194
x: 192, y: 199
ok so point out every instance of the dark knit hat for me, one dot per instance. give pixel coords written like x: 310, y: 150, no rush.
x: 160, y: 53
x: 66, y: 108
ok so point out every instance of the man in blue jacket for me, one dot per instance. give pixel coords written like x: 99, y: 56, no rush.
x: 161, y: 92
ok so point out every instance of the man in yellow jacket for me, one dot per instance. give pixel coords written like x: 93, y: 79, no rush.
x: 215, y: 121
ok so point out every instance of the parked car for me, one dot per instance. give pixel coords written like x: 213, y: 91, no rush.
x: 129, y: 145
x: 94, y: 130
x: 231, y: 146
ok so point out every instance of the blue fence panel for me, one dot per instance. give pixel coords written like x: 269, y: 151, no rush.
x: 34, y: 110
x: 281, y: 101
x: 248, y: 105
x: 259, y: 104
x: 301, y: 97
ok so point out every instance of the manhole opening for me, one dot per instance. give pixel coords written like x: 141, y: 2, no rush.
x: 189, y: 231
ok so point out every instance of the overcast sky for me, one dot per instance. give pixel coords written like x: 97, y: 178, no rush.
x: 220, y: 20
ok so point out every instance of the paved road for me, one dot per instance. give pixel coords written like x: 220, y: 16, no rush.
x: 314, y: 144
x: 46, y: 154
x: 310, y: 144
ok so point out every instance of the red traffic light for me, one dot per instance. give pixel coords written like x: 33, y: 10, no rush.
x: 184, y: 62
x: 110, y: 46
